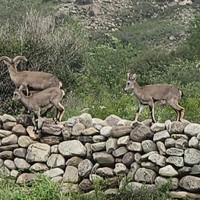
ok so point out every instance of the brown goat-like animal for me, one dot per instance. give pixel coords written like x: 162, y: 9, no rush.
x: 29, y: 80
x: 44, y: 99
x: 157, y: 93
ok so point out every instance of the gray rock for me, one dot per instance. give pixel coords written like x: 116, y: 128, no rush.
x: 178, y: 127
x: 49, y: 127
x: 54, y: 148
x: 7, y: 118
x: 106, y: 131
x: 14, y: 173
x: 39, y: 167
x: 134, y: 146
x: 184, y: 171
x: 21, y: 164
x: 174, y: 152
x: 128, y: 158
x: 136, y: 188
x: 8, y: 125
x: 148, y: 146
x: 150, y: 165
x: 163, y: 181
x: 161, y: 148
x: 10, y: 147
x: 4, y: 133
x: 131, y: 173
x: 103, y: 158
x: 26, y: 178
x: 192, y: 156
x: 25, y: 141
x: 120, y: 168
x: 74, y: 161
x: 145, y: 175
x: 6, y: 155
x: 124, y: 122
x: 78, y: 128
x: 10, y: 164
x: 105, y: 172
x: 112, y: 120
x: 71, y: 122
x: 98, y: 138
x: 168, y: 171
x: 71, y: 175
x: 20, y: 152
x: 157, y: 127
x: 86, y: 119
x: 90, y: 131
x: 178, y: 136
x: 193, y: 142
x: 66, y: 133
x: 12, y: 139
x: 184, y: 195
x: 190, y: 183
x: 119, y: 151
x: 170, y: 142
x: 51, y: 140
x: 38, y: 152
x: 123, y: 140
x: 72, y: 148
x: 119, y: 131
x: 161, y: 136
x: 100, y: 146
x: 85, y: 185
x: 53, y: 172
x: 98, y: 123
x: 181, y: 143
x: 56, y: 160
x: 192, y: 129
x: 25, y: 120
x: 137, y: 157
x: 195, y: 170
x: 19, y: 129
x: 145, y: 156
x: 111, y: 145
x: 175, y: 160
x: 157, y: 159
x: 95, y: 178
x: 140, y: 133
x: 84, y: 168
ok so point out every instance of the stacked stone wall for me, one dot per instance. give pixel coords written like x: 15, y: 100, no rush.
x: 83, y: 149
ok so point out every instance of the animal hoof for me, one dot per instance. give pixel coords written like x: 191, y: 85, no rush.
x: 135, y: 123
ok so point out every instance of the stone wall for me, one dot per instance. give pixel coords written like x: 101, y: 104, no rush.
x: 82, y: 149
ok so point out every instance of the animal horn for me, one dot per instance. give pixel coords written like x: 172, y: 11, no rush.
x: 18, y: 58
x: 6, y: 58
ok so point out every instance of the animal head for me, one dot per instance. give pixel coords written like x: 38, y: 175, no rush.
x: 131, y: 78
x: 12, y: 63
x: 16, y: 95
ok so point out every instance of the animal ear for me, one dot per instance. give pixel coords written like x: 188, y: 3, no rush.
x: 6, y: 63
x: 131, y: 76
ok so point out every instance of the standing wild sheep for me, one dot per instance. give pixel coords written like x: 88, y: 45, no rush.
x: 44, y: 99
x: 157, y: 93
x: 29, y: 80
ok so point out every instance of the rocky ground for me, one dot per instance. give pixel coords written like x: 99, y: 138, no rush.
x: 107, y: 15
x: 83, y: 149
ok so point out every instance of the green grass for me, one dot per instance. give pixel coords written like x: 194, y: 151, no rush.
x: 44, y: 189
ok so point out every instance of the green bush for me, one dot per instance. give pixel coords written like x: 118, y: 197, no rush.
x: 48, y: 47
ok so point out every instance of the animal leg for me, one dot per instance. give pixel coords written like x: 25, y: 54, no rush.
x: 152, y: 112
x: 139, y: 110
x: 179, y: 109
x: 36, y: 117
x: 60, y: 111
x: 45, y: 113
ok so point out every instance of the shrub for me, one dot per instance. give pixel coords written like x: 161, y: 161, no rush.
x: 48, y: 47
